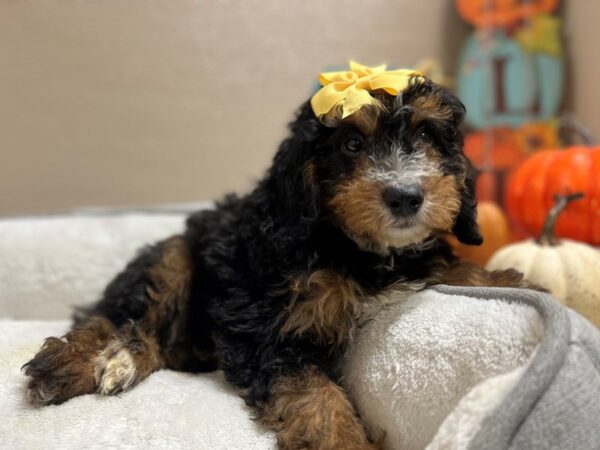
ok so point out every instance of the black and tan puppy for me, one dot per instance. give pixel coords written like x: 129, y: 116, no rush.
x: 268, y: 287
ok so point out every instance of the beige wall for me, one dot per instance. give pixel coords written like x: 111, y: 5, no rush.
x: 119, y: 102
x: 581, y: 28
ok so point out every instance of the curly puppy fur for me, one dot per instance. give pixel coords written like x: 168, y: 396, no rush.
x: 269, y: 287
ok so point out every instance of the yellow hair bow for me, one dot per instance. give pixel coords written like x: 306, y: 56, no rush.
x: 351, y: 89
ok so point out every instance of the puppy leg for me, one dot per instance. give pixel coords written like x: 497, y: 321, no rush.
x: 135, y: 329
x: 462, y: 273
x: 309, y: 411
x: 94, y: 356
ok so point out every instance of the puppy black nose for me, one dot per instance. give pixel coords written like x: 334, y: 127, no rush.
x: 404, y: 201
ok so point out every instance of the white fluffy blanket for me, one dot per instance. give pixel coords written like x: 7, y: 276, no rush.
x: 426, y: 369
x: 170, y: 410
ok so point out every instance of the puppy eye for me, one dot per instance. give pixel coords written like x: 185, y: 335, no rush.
x: 353, y: 145
x: 424, y: 133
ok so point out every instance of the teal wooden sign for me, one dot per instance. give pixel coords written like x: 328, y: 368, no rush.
x: 503, y: 84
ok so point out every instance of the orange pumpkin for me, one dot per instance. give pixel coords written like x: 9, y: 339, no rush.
x: 494, y: 229
x: 502, y: 13
x: 530, y: 191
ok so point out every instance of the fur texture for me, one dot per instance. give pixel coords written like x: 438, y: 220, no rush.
x: 269, y: 287
x: 302, y: 406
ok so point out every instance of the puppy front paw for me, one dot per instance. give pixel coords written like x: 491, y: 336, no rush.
x: 58, y: 372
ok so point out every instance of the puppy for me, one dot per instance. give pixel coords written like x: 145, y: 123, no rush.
x: 268, y: 287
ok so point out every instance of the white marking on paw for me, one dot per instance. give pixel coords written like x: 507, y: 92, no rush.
x: 114, y: 369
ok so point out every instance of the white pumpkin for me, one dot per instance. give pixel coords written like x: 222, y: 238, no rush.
x: 570, y: 270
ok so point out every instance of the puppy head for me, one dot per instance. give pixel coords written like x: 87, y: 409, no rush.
x: 390, y: 175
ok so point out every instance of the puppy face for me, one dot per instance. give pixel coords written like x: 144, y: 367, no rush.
x: 393, y: 175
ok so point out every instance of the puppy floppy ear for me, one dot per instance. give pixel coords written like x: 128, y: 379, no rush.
x: 465, y: 228
x: 293, y: 175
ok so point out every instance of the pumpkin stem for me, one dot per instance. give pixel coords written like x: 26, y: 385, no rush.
x: 560, y: 203
x: 571, y: 128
